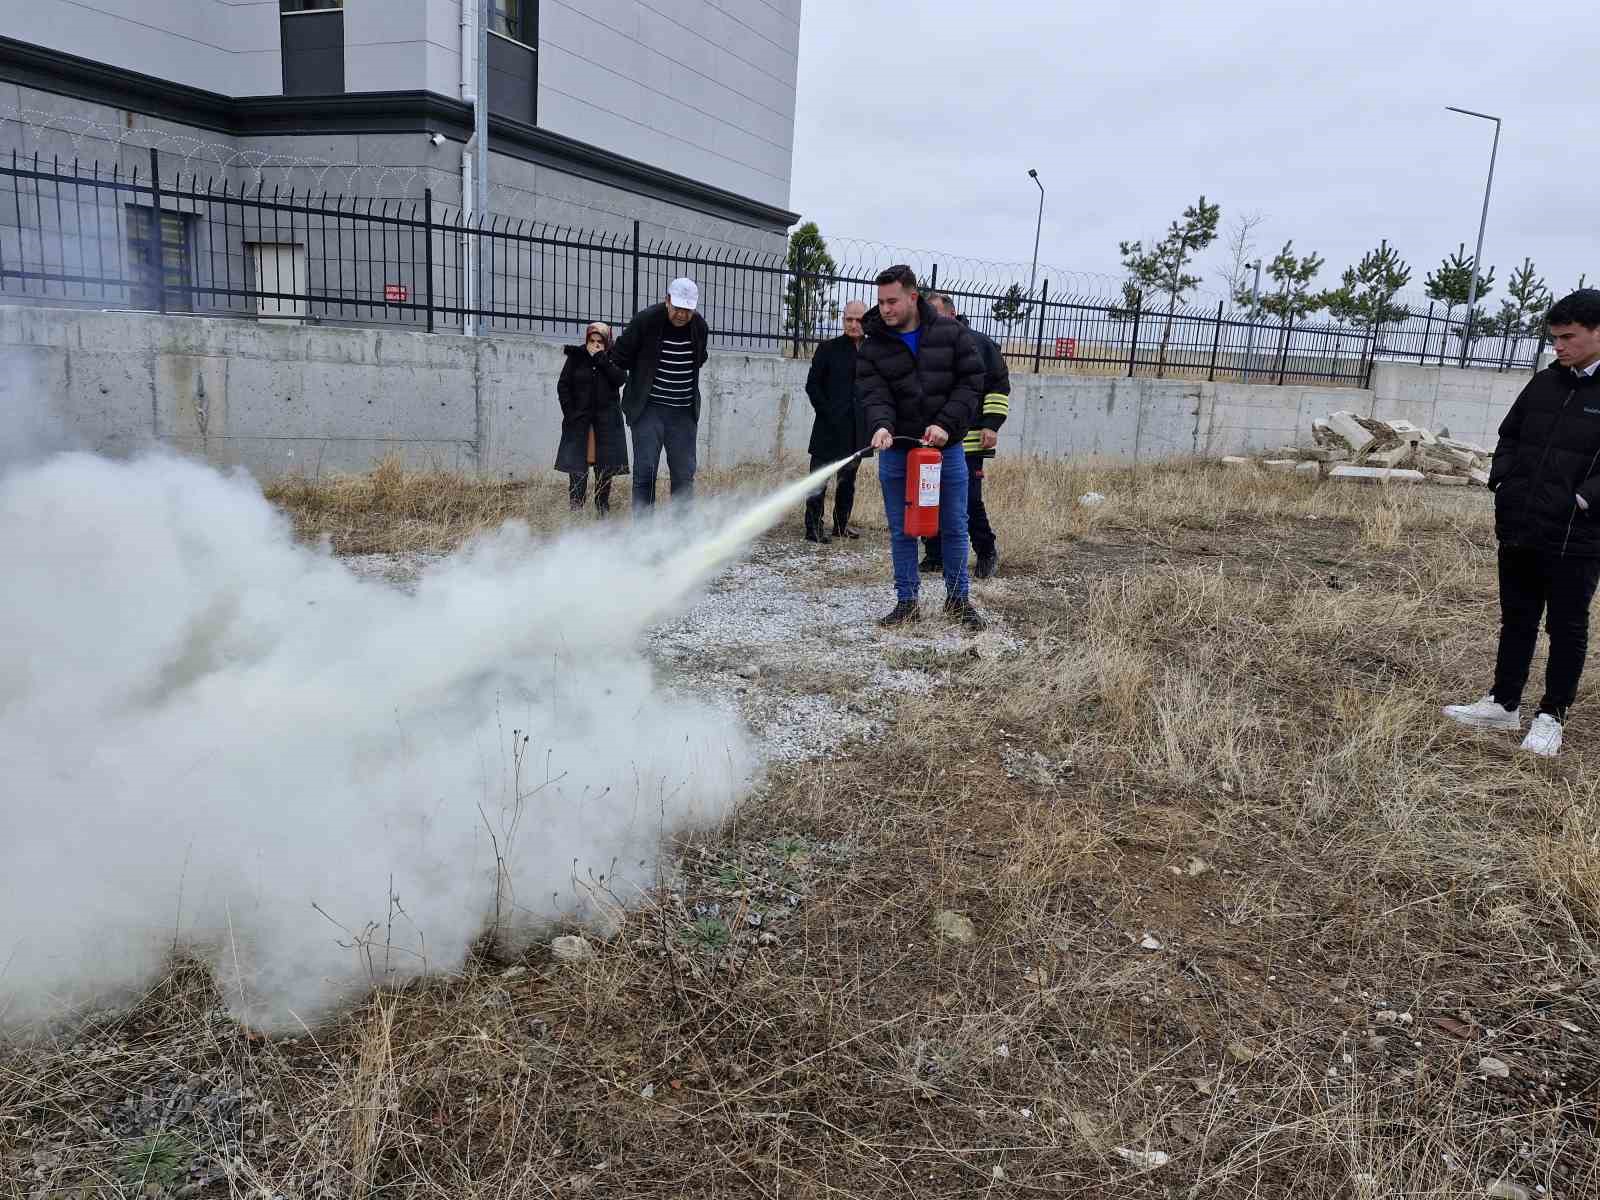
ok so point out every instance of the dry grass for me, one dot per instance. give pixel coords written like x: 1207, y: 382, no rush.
x: 1233, y: 683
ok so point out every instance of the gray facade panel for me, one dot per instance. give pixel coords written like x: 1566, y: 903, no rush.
x: 702, y: 89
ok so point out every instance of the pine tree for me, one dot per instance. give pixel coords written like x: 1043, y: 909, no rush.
x: 1014, y: 306
x: 1365, y: 297
x: 1451, y: 283
x: 1527, y: 300
x: 1291, y: 297
x: 811, y: 267
x: 1160, y: 270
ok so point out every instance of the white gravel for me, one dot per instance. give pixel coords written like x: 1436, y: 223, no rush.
x: 799, y: 659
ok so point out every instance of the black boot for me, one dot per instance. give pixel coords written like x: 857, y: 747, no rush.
x: 987, y: 565
x: 960, y: 608
x: 841, y: 521
x: 814, y: 530
x: 932, y: 557
x: 906, y: 612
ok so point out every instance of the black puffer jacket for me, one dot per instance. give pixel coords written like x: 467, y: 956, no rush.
x: 942, y: 385
x: 1549, y: 453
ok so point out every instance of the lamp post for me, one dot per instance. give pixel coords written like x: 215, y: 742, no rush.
x: 1033, y: 273
x: 1255, y: 307
x: 1477, y: 257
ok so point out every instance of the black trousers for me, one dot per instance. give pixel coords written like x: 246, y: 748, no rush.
x: 844, y: 495
x: 978, y: 527
x: 578, y: 488
x: 1535, y: 583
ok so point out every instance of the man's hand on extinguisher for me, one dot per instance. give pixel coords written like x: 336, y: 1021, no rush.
x: 935, y: 437
x: 990, y: 439
x: 882, y: 440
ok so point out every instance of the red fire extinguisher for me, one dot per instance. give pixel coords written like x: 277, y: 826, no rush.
x: 922, y: 491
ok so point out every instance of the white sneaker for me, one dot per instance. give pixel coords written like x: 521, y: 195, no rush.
x: 1544, y: 736
x: 1485, y: 714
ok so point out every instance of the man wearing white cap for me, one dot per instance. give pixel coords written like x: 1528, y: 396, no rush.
x: 663, y: 349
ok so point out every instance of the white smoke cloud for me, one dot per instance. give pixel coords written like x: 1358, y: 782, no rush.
x: 208, y: 728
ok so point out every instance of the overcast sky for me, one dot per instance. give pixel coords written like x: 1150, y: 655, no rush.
x: 917, y: 122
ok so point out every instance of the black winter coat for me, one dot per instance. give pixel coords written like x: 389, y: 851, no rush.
x: 840, y: 428
x: 996, y: 392
x: 638, y: 352
x: 588, y: 391
x: 942, y: 385
x: 1548, y: 453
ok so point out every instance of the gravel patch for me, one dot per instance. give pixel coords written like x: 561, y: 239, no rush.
x: 777, y: 643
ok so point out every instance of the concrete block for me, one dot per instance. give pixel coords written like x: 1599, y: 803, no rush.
x: 1408, y: 432
x: 1450, y: 443
x: 1464, y: 459
x: 1234, y: 461
x: 1392, y: 457
x: 1448, y: 480
x: 1374, y: 474
x: 1308, y: 470
x: 1283, y: 466
x: 1479, y: 477
x: 1344, y: 426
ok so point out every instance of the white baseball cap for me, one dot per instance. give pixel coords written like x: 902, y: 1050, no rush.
x: 684, y: 293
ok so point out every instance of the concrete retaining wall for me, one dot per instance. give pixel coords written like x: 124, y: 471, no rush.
x: 288, y: 398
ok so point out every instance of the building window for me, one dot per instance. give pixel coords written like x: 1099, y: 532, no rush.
x: 515, y: 19
x: 312, y: 34
x: 514, y: 59
x: 279, y: 278
x: 176, y: 257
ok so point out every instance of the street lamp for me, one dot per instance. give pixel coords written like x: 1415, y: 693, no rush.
x: 1033, y: 274
x: 1477, y: 257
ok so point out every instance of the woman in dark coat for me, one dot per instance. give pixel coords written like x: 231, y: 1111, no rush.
x: 592, y: 433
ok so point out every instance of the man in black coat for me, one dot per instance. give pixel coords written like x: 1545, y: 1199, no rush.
x: 1546, y: 484
x: 979, y: 446
x: 840, y: 428
x: 663, y: 349
x: 919, y: 378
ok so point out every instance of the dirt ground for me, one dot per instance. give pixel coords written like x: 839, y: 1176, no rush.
x: 1173, y: 884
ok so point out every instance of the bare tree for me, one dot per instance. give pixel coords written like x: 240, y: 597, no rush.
x: 1239, y: 252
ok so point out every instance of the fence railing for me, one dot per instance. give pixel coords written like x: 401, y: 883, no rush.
x: 73, y: 233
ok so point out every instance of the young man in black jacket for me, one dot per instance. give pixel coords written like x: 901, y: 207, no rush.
x: 663, y: 349
x: 918, y: 379
x: 839, y: 429
x: 1546, y: 484
x: 979, y: 446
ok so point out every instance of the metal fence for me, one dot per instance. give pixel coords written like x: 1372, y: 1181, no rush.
x: 72, y: 233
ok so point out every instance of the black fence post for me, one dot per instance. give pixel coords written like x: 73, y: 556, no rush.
x: 1372, y: 355
x: 1038, y: 342
x: 1216, y: 346
x: 628, y: 316
x: 1133, y: 343
x: 1283, y: 356
x: 933, y: 282
x: 1538, y: 351
x: 156, y: 255
x: 427, y: 250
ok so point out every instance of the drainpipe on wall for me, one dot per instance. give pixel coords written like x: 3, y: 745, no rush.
x: 469, y: 194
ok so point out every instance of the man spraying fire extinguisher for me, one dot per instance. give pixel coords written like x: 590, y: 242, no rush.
x: 919, y: 380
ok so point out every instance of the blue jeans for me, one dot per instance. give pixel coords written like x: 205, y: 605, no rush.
x: 661, y: 428
x: 952, y: 522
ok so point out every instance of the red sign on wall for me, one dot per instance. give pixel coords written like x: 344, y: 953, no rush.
x: 1066, y: 347
x: 396, y: 293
